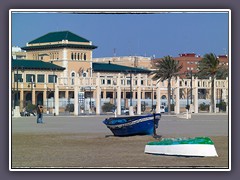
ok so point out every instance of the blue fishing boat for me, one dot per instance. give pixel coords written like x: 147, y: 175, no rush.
x: 133, y: 125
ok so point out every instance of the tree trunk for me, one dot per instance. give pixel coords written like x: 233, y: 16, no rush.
x: 169, y: 96
x: 212, y: 95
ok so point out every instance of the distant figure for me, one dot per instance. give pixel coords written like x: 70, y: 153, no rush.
x: 39, y: 114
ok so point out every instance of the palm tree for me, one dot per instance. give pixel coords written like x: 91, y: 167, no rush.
x: 209, y: 67
x: 167, y: 68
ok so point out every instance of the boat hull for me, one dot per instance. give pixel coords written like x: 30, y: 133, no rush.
x: 204, y: 150
x: 198, y: 146
x: 136, y: 125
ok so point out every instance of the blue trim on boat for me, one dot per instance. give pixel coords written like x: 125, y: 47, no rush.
x: 133, y: 125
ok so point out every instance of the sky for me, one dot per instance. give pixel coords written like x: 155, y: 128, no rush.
x: 130, y: 34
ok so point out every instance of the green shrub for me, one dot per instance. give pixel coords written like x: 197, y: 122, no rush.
x: 70, y: 108
x: 204, y: 107
x: 222, y: 106
x: 31, y: 107
x: 108, y: 107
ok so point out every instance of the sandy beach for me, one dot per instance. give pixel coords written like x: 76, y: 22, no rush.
x: 85, y: 142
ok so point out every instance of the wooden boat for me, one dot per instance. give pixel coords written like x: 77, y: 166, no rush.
x: 198, y: 146
x: 133, y: 125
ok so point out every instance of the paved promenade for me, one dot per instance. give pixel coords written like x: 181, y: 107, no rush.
x: 85, y: 142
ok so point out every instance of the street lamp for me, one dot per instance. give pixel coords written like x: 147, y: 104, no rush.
x: 17, y: 88
x: 17, y: 79
x: 191, y: 89
x: 48, y: 90
x: 130, y: 107
x: 152, y: 99
x: 32, y: 84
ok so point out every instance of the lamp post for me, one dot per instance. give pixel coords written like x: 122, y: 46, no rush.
x: 17, y: 88
x: 152, y: 99
x: 191, y: 89
x: 17, y: 79
x: 48, y: 90
x: 90, y: 100
x: 114, y: 96
x: 54, y: 81
x: 130, y: 107
x: 31, y: 84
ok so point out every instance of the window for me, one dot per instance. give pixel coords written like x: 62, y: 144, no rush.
x: 164, y: 97
x: 85, y: 57
x: 141, y: 82
x: 109, y: 94
x: 52, y: 78
x: 18, y: 77
x: 40, y: 78
x: 109, y: 81
x: 102, y: 81
x: 30, y: 78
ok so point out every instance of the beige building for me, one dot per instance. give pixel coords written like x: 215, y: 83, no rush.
x: 59, y: 71
x: 132, y: 61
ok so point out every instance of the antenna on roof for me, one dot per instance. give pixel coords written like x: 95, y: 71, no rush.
x: 225, y: 51
x: 114, y: 52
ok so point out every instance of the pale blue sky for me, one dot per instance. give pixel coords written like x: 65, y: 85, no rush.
x: 158, y: 34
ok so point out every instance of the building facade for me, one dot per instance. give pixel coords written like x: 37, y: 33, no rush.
x: 59, y: 70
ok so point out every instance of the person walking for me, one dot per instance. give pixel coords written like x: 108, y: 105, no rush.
x: 39, y: 114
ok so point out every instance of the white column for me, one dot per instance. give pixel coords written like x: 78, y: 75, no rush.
x: 139, y: 101
x: 196, y: 95
x: 119, y: 94
x: 56, y: 100
x: 158, y: 98
x: 139, y: 94
x: 177, y: 103
x: 98, y: 100
x: 76, y: 100
x: 98, y: 95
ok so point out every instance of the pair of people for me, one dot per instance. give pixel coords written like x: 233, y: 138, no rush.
x: 39, y: 114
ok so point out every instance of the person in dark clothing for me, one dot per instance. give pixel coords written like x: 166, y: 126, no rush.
x: 39, y: 114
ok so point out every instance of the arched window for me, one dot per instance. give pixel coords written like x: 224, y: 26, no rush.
x: 72, y: 56
x: 75, y: 56
x: 163, y: 97
x: 85, y: 57
x: 78, y: 56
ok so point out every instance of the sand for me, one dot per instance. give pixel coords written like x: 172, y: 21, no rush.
x: 84, y: 142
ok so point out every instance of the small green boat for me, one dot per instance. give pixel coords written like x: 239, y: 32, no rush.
x: 198, y: 146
